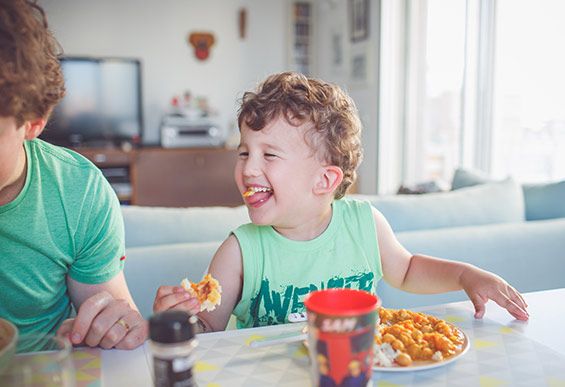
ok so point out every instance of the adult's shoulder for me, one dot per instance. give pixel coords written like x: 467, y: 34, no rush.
x: 60, y: 157
x: 65, y: 174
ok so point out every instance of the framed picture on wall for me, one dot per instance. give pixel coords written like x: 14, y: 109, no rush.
x: 359, y: 20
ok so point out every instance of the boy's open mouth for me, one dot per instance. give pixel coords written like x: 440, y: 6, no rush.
x: 255, y: 194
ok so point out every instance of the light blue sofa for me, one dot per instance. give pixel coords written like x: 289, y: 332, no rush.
x: 484, y: 225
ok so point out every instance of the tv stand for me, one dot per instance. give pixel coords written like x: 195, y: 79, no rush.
x: 169, y: 177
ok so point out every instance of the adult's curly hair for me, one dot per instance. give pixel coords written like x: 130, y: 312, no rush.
x: 31, y: 80
x: 335, y: 132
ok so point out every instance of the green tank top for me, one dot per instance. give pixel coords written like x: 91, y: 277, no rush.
x: 278, y: 272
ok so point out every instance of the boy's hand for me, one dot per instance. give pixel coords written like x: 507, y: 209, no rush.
x: 481, y: 286
x: 175, y: 297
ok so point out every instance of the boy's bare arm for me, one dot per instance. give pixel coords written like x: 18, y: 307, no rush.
x: 227, y: 268
x: 395, y: 259
x: 414, y: 273
x: 426, y: 274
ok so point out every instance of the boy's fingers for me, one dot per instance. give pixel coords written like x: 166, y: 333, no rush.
x: 521, y: 302
x: 479, y: 305
x: 511, y: 306
x: 169, y: 301
x: 192, y: 306
x: 86, y: 314
x: 165, y: 290
x: 517, y: 312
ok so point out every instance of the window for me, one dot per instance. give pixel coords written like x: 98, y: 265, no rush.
x: 484, y: 88
x: 435, y: 74
x: 528, y: 132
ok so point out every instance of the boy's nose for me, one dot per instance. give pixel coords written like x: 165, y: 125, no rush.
x: 251, y: 168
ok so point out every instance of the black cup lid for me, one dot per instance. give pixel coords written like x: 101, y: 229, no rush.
x: 172, y: 326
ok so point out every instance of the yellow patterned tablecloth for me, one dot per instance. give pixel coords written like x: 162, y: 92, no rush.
x: 499, y: 356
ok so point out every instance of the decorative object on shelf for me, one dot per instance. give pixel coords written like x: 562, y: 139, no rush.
x: 242, y: 22
x: 202, y: 42
x: 359, y: 19
x: 192, y: 107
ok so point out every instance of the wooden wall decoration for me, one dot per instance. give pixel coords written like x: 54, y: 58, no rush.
x: 202, y: 42
x: 242, y: 22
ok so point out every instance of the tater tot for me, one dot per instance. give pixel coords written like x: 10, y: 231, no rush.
x: 403, y: 359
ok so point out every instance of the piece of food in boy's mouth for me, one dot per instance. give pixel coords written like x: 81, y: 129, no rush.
x: 253, y: 190
x: 208, y: 292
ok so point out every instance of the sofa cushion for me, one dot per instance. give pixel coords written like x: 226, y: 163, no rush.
x: 147, y: 226
x: 542, y: 201
x: 497, y: 202
x: 147, y: 268
x: 545, y: 201
x: 463, y: 178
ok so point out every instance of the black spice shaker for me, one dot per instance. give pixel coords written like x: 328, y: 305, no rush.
x: 172, y: 345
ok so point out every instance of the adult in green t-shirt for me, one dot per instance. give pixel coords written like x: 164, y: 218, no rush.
x: 61, y: 230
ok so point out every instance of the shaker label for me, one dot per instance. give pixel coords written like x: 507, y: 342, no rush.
x: 181, y: 364
x: 173, y: 372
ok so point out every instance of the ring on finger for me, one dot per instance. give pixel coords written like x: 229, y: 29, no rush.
x: 124, y: 324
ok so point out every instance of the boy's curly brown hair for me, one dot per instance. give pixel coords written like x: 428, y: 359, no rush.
x: 336, y: 128
x: 31, y: 80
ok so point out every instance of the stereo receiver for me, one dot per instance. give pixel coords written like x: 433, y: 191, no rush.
x: 184, y: 132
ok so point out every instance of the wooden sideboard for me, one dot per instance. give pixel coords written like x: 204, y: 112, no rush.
x: 179, y: 177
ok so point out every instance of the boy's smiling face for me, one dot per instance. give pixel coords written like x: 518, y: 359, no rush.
x: 277, y: 173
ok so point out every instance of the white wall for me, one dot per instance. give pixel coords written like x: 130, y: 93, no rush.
x: 156, y: 32
x: 333, y: 23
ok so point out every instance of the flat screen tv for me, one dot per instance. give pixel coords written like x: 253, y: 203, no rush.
x: 102, y: 105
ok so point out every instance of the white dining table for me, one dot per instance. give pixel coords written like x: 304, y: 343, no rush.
x: 225, y: 359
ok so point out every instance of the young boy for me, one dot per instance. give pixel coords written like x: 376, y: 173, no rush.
x: 299, y: 150
x: 61, y: 231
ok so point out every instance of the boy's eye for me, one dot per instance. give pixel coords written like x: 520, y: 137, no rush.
x: 270, y: 155
x: 243, y: 154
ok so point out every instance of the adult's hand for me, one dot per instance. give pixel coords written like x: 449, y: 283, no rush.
x: 106, y: 317
x: 107, y: 322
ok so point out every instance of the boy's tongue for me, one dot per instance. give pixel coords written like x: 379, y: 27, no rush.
x: 258, y: 196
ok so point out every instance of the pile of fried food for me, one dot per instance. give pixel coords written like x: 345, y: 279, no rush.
x: 405, y: 336
x: 208, y: 292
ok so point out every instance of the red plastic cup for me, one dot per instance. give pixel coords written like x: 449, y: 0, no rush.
x: 341, y: 336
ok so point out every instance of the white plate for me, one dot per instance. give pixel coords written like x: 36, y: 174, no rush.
x: 426, y: 365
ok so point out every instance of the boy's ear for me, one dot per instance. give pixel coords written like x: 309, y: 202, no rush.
x: 33, y: 128
x: 329, y: 180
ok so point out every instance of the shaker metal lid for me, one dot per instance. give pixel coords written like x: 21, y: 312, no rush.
x: 172, y: 326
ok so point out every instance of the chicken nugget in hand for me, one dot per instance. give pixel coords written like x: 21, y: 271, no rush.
x: 208, y: 292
